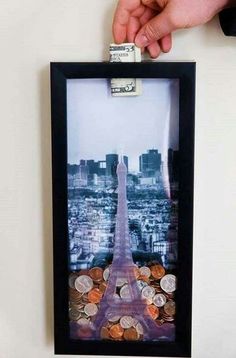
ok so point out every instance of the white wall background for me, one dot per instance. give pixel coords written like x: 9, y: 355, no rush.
x: 35, y: 32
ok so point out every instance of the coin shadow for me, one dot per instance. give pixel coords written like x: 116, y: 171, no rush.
x: 46, y: 201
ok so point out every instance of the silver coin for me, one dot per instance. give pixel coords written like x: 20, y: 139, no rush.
x: 114, y: 319
x: 106, y: 273
x: 83, y: 322
x: 139, y: 328
x: 121, y: 281
x: 168, y: 283
x: 74, y: 315
x: 72, y: 279
x: 159, y: 300
x: 125, y: 292
x: 83, y: 284
x: 90, y: 309
x: 148, y: 292
x: 141, y: 284
x: 144, y: 270
x: 126, y: 321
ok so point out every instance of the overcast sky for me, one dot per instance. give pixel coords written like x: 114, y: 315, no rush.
x: 99, y: 124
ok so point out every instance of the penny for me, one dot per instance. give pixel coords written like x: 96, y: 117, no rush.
x: 153, y: 311
x: 116, y: 331
x: 169, y: 308
x: 145, y: 271
x: 96, y: 273
x: 125, y: 292
x: 148, y: 292
x: 168, y: 283
x: 131, y: 334
x: 106, y: 273
x: 102, y: 286
x: 84, y: 272
x: 94, y: 295
x: 104, y: 333
x: 90, y: 309
x: 126, y: 321
x: 72, y: 279
x: 157, y: 271
x: 83, y: 284
x: 74, y: 315
x: 136, y: 271
x: 159, y: 300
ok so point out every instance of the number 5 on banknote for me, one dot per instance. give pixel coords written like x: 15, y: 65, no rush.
x: 123, y: 209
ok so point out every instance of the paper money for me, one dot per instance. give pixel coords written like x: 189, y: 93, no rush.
x: 125, y: 52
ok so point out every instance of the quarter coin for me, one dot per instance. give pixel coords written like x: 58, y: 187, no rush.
x: 168, y: 283
x: 145, y: 271
x: 106, y: 273
x: 83, y: 284
x: 90, y: 309
x: 148, y: 292
x: 125, y: 292
x: 126, y: 321
x: 159, y: 300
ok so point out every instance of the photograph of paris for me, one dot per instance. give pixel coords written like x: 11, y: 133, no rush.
x: 122, y: 210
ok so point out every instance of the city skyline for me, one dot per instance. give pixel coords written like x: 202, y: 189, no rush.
x: 99, y: 123
x: 103, y: 159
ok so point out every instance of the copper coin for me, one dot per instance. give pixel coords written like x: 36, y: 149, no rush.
x: 94, y: 295
x: 169, y: 308
x: 96, y: 273
x: 104, y: 333
x: 157, y: 271
x: 102, y: 286
x: 153, y: 311
x: 131, y: 334
x: 83, y: 272
x: 136, y: 271
x: 144, y: 279
x: 116, y: 331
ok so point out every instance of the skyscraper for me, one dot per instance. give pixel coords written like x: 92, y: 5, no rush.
x: 112, y: 162
x: 150, y: 163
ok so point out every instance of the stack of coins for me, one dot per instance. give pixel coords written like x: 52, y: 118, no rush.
x: 87, y: 287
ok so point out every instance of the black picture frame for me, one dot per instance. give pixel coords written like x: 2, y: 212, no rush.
x: 185, y: 73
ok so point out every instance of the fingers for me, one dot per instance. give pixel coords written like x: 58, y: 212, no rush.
x: 155, y: 29
x: 133, y: 28
x: 166, y: 43
x: 121, y: 18
x: 154, y: 49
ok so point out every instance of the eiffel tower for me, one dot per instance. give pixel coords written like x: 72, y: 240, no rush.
x: 123, y: 268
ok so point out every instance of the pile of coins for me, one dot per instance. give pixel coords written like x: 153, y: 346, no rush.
x: 87, y: 287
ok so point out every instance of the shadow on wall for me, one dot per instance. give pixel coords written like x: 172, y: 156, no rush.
x: 107, y: 28
x: 46, y: 189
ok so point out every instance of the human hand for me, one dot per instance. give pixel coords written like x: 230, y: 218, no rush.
x: 149, y: 23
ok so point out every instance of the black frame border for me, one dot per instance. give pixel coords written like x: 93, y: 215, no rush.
x: 185, y: 73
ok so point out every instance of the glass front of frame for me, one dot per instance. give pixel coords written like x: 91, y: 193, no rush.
x: 122, y: 211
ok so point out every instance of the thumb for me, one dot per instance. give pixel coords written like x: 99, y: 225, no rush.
x: 158, y: 27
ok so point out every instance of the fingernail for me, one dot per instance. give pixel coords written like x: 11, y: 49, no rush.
x: 141, y: 40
